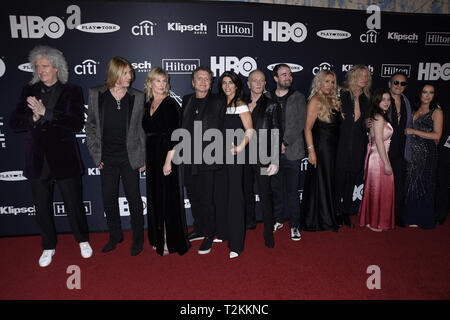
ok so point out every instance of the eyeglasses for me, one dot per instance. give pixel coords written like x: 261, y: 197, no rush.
x: 396, y: 83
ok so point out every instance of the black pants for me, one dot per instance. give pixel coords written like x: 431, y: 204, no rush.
x: 42, y: 190
x: 442, y: 184
x: 110, y: 178
x: 252, y: 173
x: 200, y: 191
x: 399, y: 170
x: 284, y: 185
x: 345, y: 184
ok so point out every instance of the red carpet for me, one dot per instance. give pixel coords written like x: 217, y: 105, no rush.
x: 414, y: 264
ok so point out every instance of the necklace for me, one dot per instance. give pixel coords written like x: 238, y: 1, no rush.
x: 118, y: 104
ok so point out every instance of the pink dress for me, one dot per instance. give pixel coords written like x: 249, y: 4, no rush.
x: 377, y: 206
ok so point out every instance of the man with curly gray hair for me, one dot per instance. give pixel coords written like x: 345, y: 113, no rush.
x: 50, y: 110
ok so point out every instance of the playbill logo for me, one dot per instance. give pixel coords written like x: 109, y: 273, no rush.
x: 26, y: 67
x: 12, y: 176
x: 98, y: 27
x: 334, y: 34
x: 234, y: 29
x: 294, y: 67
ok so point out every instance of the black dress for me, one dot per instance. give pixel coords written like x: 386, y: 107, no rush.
x: 165, y: 203
x: 318, y: 211
x: 229, y: 189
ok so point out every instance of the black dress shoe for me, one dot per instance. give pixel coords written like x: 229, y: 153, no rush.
x: 206, y: 245
x: 347, y: 221
x: 194, y: 235
x: 339, y: 221
x: 111, y: 245
x: 136, y: 247
x: 251, y: 226
x: 269, y: 240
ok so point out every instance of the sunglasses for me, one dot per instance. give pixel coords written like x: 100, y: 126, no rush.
x: 396, y: 83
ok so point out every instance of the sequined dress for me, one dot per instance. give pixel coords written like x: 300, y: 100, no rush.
x: 421, y: 176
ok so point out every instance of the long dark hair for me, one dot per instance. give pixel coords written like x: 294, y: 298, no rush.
x: 375, y: 109
x: 239, y: 87
x: 417, y: 103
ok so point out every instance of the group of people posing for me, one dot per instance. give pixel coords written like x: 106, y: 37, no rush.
x: 129, y: 131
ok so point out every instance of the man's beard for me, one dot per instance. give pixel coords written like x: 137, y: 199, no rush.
x: 285, y: 85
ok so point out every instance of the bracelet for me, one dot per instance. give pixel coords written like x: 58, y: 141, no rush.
x: 311, y: 146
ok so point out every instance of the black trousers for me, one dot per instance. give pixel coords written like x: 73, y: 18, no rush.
x: 442, y: 184
x: 200, y: 191
x: 399, y: 170
x: 252, y: 172
x: 345, y: 184
x: 110, y: 178
x: 42, y: 191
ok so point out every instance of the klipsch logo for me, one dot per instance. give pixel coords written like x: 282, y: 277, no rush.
x: 88, y: 66
x: 234, y: 29
x: 387, y: 70
x: 180, y: 66
x: 347, y: 67
x: 60, y: 210
x: 11, y: 210
x: 12, y: 176
x: 35, y: 27
x: 144, y: 66
x: 194, y: 28
x: 408, y: 37
x: 144, y: 28
x: 373, y: 23
x: 322, y: 66
x: 433, y: 71
x: 242, y: 66
x: 98, y: 27
x: 333, y: 34
x: 294, y: 67
x: 437, y: 39
x: 279, y: 31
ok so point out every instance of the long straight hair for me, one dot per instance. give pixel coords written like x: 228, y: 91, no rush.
x: 115, y: 69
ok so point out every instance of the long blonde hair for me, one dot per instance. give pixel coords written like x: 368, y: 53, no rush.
x: 325, y: 106
x: 115, y: 69
x: 154, y: 72
x: 351, y: 79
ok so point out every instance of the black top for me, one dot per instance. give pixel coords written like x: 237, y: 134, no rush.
x: 115, y: 127
x: 398, y: 139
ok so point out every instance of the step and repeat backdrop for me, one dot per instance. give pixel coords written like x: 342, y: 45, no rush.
x: 181, y: 36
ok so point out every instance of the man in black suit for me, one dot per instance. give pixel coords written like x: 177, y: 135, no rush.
x: 50, y: 110
x: 208, y: 110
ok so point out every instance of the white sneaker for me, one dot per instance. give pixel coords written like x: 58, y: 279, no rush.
x: 46, y: 257
x: 295, y: 234
x: 86, y: 250
x: 217, y: 240
x: 277, y: 226
x: 233, y: 254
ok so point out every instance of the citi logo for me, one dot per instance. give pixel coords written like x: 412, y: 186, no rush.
x: 2, y: 68
x: 347, y: 67
x: 387, y: 70
x: 437, y: 39
x: 279, y: 31
x: 294, y: 67
x: 369, y: 37
x: 144, y: 28
x: 373, y: 22
x: 12, y: 176
x: 333, y: 34
x: 180, y: 66
x: 88, y: 66
x: 304, y: 164
x: 194, y: 28
x: 234, y: 29
x: 98, y: 27
x: 242, y: 66
x: 433, y: 71
x: 322, y: 66
x: 35, y: 27
x: 59, y: 209
x: 410, y: 38
x: 142, y: 66
x: 26, y: 67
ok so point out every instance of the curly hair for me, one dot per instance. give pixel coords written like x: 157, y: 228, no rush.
x: 324, y: 104
x: 56, y: 59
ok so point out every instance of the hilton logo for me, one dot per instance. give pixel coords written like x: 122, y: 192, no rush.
x: 437, y: 39
x: 234, y: 29
x: 387, y: 70
x: 180, y: 66
x: 60, y: 210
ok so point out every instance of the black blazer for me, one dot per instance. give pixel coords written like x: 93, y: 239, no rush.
x: 211, y: 115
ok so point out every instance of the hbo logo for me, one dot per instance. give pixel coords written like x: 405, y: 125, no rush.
x: 433, y: 71
x: 35, y: 27
x: 243, y: 66
x: 283, y: 31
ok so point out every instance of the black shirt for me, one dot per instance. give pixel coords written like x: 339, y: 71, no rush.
x: 398, y: 139
x: 115, y: 127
